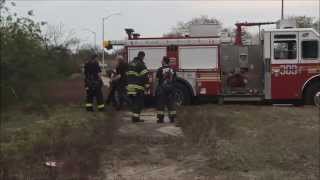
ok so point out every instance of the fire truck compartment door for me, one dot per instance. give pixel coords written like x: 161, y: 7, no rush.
x: 153, y: 55
x: 198, y: 57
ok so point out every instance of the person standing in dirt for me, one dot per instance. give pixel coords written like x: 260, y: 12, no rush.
x: 110, y: 74
x: 118, y: 92
x: 165, y: 91
x: 93, y: 84
x: 138, y: 82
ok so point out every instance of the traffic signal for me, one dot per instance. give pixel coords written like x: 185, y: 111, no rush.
x: 107, y: 44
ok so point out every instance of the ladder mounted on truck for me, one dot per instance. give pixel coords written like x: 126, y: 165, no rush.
x: 171, y: 41
x: 238, y: 40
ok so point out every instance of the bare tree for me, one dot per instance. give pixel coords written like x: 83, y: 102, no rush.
x: 316, y: 25
x: 306, y: 22
x: 183, y: 28
x: 58, y: 36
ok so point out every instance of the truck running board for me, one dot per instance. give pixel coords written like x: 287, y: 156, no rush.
x: 240, y: 98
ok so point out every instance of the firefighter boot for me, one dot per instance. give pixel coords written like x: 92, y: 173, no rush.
x: 160, y: 119
x: 172, y: 116
x: 100, y: 107
x: 89, y: 107
x: 136, y: 120
x: 172, y: 119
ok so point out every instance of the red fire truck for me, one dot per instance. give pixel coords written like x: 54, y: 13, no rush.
x: 284, y: 65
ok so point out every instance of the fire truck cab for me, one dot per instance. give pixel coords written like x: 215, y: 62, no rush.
x: 292, y: 64
x: 284, y: 65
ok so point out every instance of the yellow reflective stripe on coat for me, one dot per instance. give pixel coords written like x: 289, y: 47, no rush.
x: 160, y: 112
x: 172, y: 112
x: 135, y: 115
x: 89, y: 105
x: 142, y: 73
x: 132, y: 93
x: 132, y: 87
x: 132, y: 73
x: 100, y: 106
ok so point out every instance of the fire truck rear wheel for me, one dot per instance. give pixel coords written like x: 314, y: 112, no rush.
x: 182, y: 95
x: 311, y: 92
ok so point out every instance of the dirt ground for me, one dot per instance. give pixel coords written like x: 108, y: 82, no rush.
x: 218, y: 143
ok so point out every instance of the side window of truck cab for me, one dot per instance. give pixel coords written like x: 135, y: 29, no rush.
x: 285, y: 47
x: 310, y: 49
x: 309, y: 46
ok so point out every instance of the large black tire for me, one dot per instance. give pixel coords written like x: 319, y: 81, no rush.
x: 311, y: 92
x: 182, y: 94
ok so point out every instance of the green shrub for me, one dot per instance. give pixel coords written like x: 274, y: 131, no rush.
x: 28, y: 60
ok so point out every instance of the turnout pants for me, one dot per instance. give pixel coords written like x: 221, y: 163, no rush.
x: 137, y: 102
x: 165, y: 99
x: 94, y: 93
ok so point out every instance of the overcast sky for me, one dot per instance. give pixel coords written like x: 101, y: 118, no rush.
x: 154, y: 18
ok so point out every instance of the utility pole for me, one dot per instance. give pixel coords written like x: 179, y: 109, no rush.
x: 282, y: 16
x: 103, y: 40
x: 103, y: 21
x: 319, y: 23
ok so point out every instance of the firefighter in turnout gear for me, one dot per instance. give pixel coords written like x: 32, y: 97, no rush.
x: 137, y: 79
x: 93, y: 84
x: 165, y: 91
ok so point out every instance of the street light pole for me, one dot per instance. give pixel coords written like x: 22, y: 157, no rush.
x: 103, y: 20
x: 103, y: 40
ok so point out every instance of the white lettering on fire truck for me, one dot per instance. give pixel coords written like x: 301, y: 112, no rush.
x: 288, y: 69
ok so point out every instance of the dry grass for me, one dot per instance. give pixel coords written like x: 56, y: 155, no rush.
x: 66, y: 134
x: 269, y: 142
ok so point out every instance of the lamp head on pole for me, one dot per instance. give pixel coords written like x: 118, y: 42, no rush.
x: 129, y: 32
